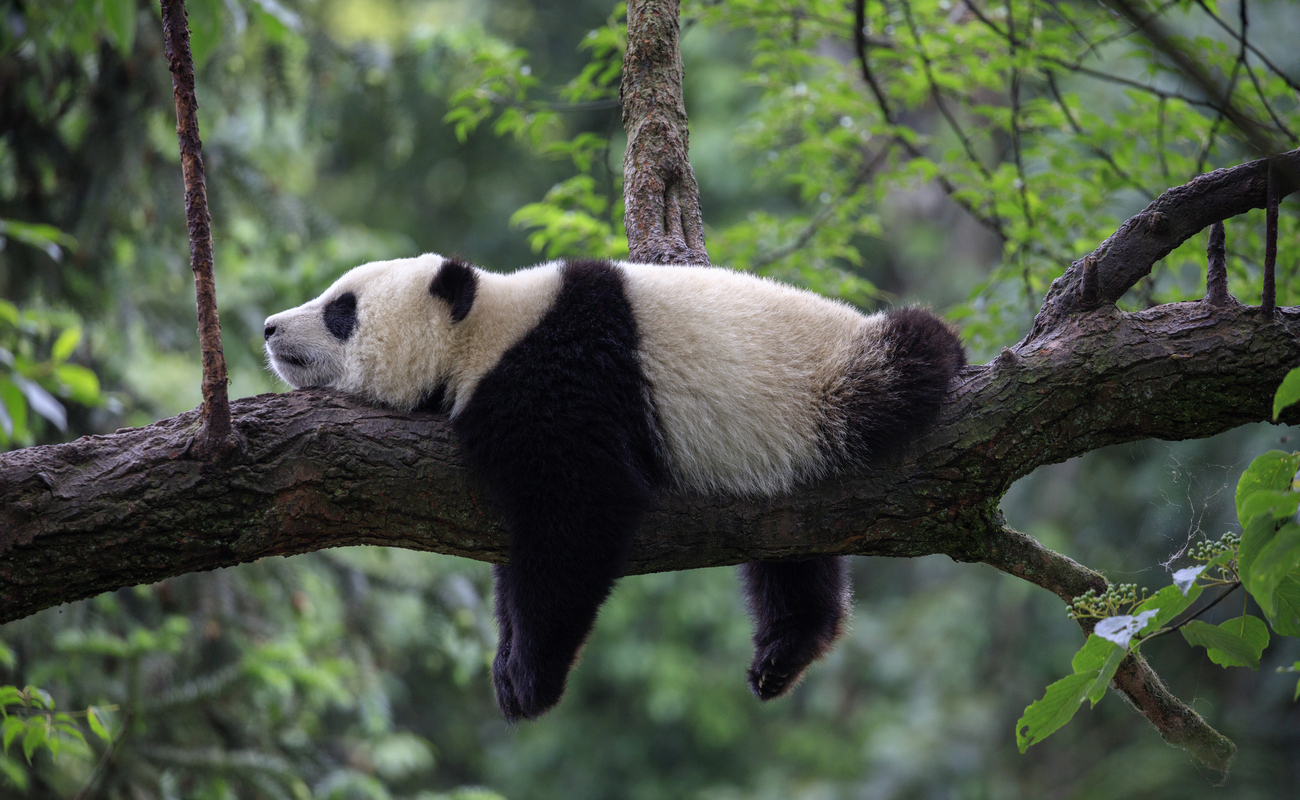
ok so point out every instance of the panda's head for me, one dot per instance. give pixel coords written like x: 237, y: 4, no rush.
x: 383, y: 331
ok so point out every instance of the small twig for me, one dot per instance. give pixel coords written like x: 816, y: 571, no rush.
x: 1097, y: 151
x: 1256, y: 135
x: 860, y: 43
x: 216, y: 403
x: 1232, y: 86
x: 1216, y: 275
x: 104, y: 759
x: 1235, y: 585
x: 1269, y: 301
x: 994, y: 224
x: 1273, y: 67
x: 824, y: 213
x: 937, y: 96
x: 1015, y: 126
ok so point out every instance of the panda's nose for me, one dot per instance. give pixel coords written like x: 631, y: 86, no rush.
x: 269, y: 332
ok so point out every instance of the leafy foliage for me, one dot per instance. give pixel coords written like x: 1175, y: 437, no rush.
x: 1265, y: 560
x: 1003, y: 142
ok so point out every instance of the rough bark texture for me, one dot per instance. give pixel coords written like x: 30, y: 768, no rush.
x: 1171, y: 219
x: 216, y: 405
x: 660, y: 197
x: 317, y: 470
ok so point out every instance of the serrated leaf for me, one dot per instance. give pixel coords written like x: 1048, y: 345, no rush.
x: 1236, y: 643
x: 1058, y: 705
x: 1271, y: 471
x: 1097, y: 689
x: 1288, y: 394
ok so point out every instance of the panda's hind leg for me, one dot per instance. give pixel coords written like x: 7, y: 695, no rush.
x: 799, y: 609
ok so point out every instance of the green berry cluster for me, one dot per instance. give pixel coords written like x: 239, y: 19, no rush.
x: 1116, y: 600
x: 1204, y: 551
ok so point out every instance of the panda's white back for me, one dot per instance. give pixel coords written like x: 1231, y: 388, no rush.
x: 740, y: 367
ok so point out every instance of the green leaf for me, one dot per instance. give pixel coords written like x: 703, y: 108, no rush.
x: 1097, y: 689
x: 97, y: 725
x: 14, y: 772
x: 1288, y: 394
x: 1236, y: 643
x: 36, y: 736
x: 65, y: 344
x: 1276, y: 560
x: 82, y: 384
x: 10, y: 728
x: 1286, y: 617
x: 1093, y: 655
x: 1271, y: 471
x: 1276, y: 504
x: 1171, y: 602
x: 1057, y: 706
x: 11, y: 696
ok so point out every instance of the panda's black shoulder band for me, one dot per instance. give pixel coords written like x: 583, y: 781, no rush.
x: 455, y: 283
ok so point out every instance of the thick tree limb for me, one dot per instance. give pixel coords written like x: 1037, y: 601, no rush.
x: 661, y: 200
x: 1171, y: 219
x: 1020, y: 555
x: 321, y: 471
x: 216, y: 405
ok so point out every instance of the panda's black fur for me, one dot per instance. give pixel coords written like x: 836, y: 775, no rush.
x: 564, y: 431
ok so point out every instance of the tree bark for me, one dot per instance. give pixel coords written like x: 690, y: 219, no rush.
x: 660, y: 197
x: 318, y: 470
x: 215, y: 436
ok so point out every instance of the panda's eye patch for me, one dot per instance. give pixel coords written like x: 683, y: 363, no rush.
x: 341, y: 316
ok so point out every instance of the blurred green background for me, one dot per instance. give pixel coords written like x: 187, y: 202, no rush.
x: 341, y: 131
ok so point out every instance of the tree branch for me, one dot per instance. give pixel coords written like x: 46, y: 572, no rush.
x: 660, y: 196
x: 319, y: 470
x: 1168, y: 221
x: 215, y: 434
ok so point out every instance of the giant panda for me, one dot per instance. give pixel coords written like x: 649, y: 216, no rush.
x: 579, y: 389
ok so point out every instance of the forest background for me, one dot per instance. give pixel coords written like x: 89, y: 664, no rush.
x: 342, y: 131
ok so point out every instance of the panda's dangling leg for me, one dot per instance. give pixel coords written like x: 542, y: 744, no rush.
x: 546, y: 602
x: 799, y: 609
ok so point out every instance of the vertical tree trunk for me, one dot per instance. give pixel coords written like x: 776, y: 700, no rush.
x: 216, y: 404
x: 660, y: 196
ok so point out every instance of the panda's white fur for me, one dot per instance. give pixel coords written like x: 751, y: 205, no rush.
x: 578, y: 388
x: 735, y: 361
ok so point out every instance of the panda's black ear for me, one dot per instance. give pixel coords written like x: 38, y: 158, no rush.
x: 455, y: 283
